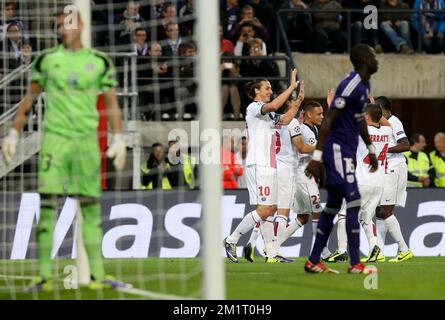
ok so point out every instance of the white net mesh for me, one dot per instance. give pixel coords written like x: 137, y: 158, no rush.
x: 150, y: 238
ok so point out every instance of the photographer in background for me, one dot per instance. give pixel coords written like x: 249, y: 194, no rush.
x: 229, y: 88
x: 155, y: 170
x: 247, y: 33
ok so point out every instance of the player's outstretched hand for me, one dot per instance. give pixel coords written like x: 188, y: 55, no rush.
x: 293, y: 78
x: 373, y: 163
x: 9, y: 145
x: 315, y: 169
x: 118, y: 151
x: 330, y: 97
x: 300, y: 97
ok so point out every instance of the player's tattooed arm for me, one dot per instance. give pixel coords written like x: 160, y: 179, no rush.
x: 373, y: 163
x: 402, y: 146
x: 286, y: 118
x: 32, y: 93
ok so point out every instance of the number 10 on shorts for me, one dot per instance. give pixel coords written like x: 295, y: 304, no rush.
x: 264, y: 191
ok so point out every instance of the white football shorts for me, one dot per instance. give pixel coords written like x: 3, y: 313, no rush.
x: 307, y: 198
x: 262, y: 185
x: 370, y: 199
x: 394, y: 190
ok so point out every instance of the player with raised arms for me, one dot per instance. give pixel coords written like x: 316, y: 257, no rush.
x: 261, y: 162
x: 338, y: 136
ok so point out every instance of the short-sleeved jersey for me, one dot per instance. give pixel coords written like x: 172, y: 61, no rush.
x: 380, y: 137
x: 72, y: 82
x: 261, y: 136
x: 286, y: 150
x: 395, y: 159
x: 351, y: 97
x: 310, y: 136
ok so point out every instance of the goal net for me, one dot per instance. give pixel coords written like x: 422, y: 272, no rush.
x: 160, y: 214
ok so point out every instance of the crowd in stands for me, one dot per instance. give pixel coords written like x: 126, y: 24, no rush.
x: 160, y: 32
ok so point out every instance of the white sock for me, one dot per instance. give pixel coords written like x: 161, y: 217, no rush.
x: 248, y: 222
x: 314, y: 227
x: 381, y: 233
x: 267, y: 231
x: 255, y: 233
x: 325, y: 253
x: 341, y: 234
x: 280, y: 224
x: 394, y: 230
x: 369, y: 232
x: 290, y: 230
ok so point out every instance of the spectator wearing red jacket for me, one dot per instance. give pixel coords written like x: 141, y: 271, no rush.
x: 231, y: 169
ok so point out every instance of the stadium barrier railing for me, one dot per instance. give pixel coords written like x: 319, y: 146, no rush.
x: 281, y: 33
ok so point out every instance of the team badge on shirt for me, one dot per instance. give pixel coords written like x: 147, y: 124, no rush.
x: 339, y: 103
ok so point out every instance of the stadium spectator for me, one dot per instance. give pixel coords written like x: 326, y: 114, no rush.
x: 26, y: 53
x: 395, y: 25
x: 225, y: 44
x: 231, y: 168
x: 432, y: 26
x: 187, y: 17
x: 229, y: 88
x: 228, y: 15
x: 140, y: 45
x: 156, y: 170
x: 248, y: 15
x: 357, y: 19
x: 437, y: 158
x: 187, y: 88
x: 298, y: 26
x: 418, y: 162
x: 169, y: 16
x: 184, y: 169
x: 150, y: 83
x: 247, y: 34
x: 154, y: 10
x: 127, y: 22
x: 7, y: 16
x: 173, y: 40
x: 11, y: 46
x: 259, y: 68
x: 327, y: 26
x: 265, y: 12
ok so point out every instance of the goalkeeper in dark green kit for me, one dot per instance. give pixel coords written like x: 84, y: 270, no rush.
x: 69, y: 162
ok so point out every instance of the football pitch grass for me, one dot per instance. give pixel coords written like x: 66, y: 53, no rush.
x: 419, y: 278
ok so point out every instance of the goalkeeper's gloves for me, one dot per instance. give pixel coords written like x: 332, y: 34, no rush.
x: 9, y: 145
x: 117, y: 150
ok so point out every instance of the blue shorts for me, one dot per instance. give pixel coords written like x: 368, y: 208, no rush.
x: 340, y: 176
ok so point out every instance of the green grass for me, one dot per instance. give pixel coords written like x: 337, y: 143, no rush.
x: 419, y: 278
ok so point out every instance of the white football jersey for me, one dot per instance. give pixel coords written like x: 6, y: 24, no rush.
x: 261, y: 136
x: 380, y: 137
x: 394, y: 159
x: 310, y: 136
x: 286, y: 150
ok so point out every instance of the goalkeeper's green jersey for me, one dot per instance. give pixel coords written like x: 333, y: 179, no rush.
x: 71, y: 81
